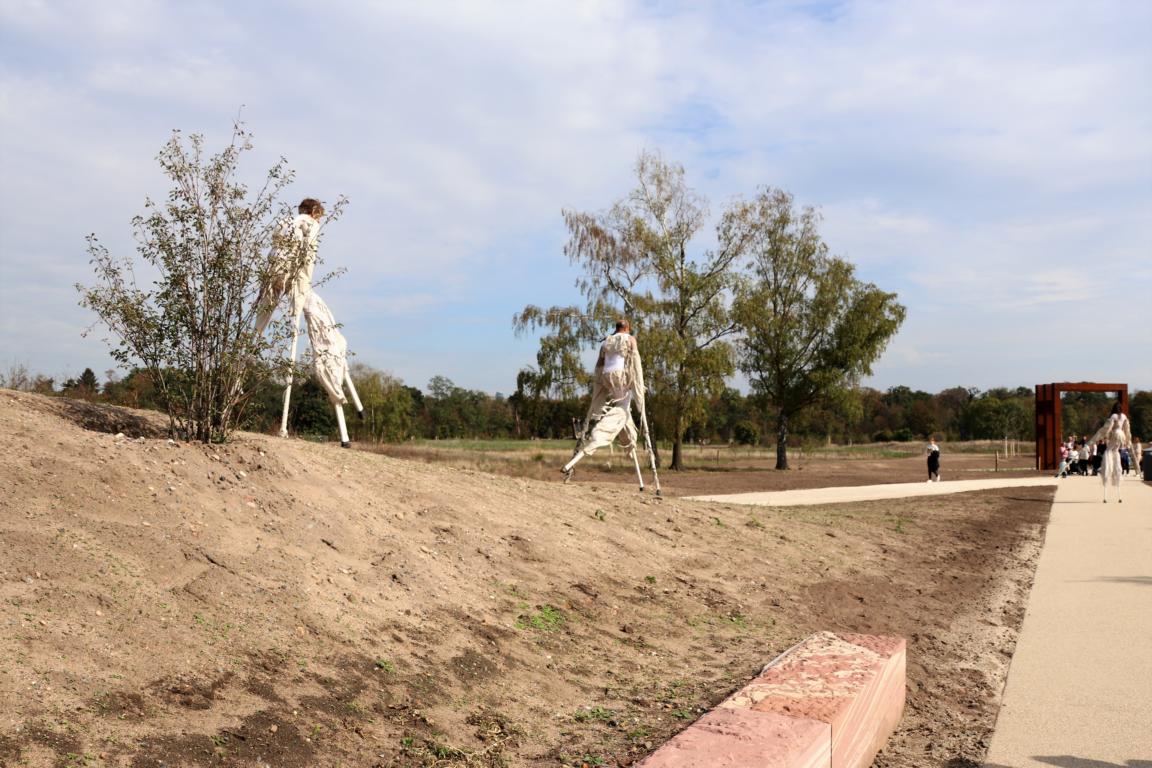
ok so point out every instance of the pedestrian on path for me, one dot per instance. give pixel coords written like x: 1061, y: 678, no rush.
x: 1114, y: 434
x: 933, y: 460
x: 1067, y: 462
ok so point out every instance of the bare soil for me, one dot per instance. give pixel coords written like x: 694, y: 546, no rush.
x: 280, y: 603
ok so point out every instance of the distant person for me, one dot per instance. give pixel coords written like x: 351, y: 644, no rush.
x: 933, y: 460
x: 1084, y: 457
x: 1114, y: 435
x: 1125, y: 461
x: 618, y: 376
x: 1137, y: 456
x: 293, y: 258
x: 1066, y: 461
x: 1099, y: 448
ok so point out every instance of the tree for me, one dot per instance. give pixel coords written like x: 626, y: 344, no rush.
x: 17, y: 378
x: 1140, y: 410
x: 89, y: 386
x: 389, y: 413
x: 194, y: 330
x: 810, y: 328
x: 637, y: 263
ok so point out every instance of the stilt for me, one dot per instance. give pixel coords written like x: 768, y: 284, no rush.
x: 292, y: 358
x: 636, y: 462
x: 344, y: 441
x: 573, y: 462
x: 648, y: 446
x: 355, y: 397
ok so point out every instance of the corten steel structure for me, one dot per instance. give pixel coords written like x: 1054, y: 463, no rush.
x: 1049, y: 416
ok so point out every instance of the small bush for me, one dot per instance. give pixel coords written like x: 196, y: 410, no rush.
x: 746, y: 433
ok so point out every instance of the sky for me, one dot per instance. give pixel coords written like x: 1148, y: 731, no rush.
x: 989, y: 161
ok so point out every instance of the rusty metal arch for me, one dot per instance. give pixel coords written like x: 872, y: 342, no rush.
x: 1049, y: 425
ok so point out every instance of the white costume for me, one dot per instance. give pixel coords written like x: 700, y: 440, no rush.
x: 1117, y: 434
x: 329, y: 348
x: 291, y: 264
x: 618, y: 383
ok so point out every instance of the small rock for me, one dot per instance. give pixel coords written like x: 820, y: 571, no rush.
x: 274, y: 728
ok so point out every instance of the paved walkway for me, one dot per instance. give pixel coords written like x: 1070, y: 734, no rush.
x: 1079, y: 691
x: 874, y: 492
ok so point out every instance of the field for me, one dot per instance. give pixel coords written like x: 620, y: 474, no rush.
x: 282, y: 603
x: 724, y: 469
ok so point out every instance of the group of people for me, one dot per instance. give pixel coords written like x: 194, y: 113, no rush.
x: 1108, y: 454
x: 1080, y: 456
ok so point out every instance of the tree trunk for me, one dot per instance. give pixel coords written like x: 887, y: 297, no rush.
x: 781, y: 440
x: 677, y: 442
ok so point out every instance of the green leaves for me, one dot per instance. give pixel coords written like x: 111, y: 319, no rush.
x: 811, y: 329
x: 204, y: 250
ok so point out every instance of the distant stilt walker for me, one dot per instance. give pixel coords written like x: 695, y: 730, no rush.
x: 1116, y: 433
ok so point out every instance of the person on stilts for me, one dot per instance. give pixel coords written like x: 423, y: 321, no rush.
x: 1116, y: 434
x: 618, y: 381
x: 293, y: 261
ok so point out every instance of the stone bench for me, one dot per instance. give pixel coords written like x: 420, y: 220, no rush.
x: 830, y: 701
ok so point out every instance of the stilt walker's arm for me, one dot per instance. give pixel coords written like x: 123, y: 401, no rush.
x: 292, y: 357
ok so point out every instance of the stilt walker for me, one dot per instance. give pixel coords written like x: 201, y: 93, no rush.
x: 1117, y: 434
x: 618, y: 384
x: 293, y: 261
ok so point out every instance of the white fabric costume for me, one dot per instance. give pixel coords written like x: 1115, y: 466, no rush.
x: 329, y: 348
x: 1117, y: 434
x: 618, y: 384
x: 291, y: 264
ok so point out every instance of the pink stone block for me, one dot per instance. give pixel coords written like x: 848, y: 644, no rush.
x: 743, y: 738
x: 832, y: 700
x: 855, y: 683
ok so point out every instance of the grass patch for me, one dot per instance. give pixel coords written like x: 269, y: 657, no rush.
x: 547, y: 619
x: 594, y: 715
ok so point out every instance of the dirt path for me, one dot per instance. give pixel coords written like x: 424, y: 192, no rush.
x: 282, y: 603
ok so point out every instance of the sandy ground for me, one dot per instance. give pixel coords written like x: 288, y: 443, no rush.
x: 281, y: 603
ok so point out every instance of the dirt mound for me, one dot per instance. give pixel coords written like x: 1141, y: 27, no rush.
x: 277, y: 602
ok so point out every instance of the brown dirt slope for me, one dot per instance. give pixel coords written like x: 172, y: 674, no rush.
x: 281, y: 603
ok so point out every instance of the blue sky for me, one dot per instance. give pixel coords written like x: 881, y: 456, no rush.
x: 989, y: 161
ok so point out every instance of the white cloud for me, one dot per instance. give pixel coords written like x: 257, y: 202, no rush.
x: 965, y: 153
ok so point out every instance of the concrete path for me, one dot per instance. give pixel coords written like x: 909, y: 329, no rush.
x: 1079, y: 691
x: 874, y: 492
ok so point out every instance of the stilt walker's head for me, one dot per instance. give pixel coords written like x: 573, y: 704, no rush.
x: 312, y: 207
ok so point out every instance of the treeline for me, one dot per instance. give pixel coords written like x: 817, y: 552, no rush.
x: 396, y: 412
